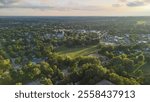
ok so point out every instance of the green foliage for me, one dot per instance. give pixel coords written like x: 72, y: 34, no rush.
x: 66, y: 60
x: 119, y: 80
x: 46, y: 81
x: 46, y: 69
x: 92, y: 72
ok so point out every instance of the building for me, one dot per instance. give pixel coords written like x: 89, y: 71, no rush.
x: 60, y: 34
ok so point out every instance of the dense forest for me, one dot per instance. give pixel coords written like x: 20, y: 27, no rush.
x: 74, y: 50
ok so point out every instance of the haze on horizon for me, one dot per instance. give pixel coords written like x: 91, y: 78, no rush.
x: 74, y: 7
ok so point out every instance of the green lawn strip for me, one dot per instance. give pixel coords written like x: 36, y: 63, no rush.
x: 77, y: 51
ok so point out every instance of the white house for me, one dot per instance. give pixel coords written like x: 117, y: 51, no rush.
x: 60, y: 34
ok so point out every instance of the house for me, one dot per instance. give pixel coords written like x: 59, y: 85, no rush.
x: 37, y: 60
x: 127, y: 35
x: 60, y: 34
x: 127, y: 41
x: 13, y: 40
x: 116, y: 40
x: 93, y: 31
x: 47, y: 36
x: 119, y: 38
x: 82, y: 31
x: 142, y: 42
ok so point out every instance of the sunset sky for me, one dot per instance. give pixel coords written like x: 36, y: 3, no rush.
x: 74, y: 7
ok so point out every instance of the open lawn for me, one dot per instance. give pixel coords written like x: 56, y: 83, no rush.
x: 77, y: 51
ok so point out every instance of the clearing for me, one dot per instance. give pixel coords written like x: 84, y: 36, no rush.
x: 77, y: 51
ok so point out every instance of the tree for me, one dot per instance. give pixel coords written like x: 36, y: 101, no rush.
x: 75, y: 77
x: 46, y: 69
x: 92, y: 71
x: 119, y: 80
x: 5, y: 79
x: 46, y: 81
x: 128, y: 64
x: 113, y: 77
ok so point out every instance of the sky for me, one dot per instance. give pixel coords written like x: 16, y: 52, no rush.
x: 74, y: 7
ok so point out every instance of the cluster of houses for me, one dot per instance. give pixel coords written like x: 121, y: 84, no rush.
x: 59, y: 35
x: 145, y: 38
x: 121, y: 39
x: 125, y: 39
x: 101, y: 35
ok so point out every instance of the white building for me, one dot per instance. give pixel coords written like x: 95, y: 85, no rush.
x: 60, y: 34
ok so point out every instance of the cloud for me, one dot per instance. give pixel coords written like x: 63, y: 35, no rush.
x: 117, y: 5
x: 82, y: 8
x: 132, y: 3
x: 135, y: 3
x: 25, y: 6
x: 50, y: 4
x: 8, y: 2
x: 123, y: 0
x: 34, y: 4
x: 148, y: 1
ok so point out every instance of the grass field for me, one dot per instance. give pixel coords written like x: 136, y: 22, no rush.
x: 77, y: 51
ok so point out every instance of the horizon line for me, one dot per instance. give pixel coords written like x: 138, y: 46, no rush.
x: 72, y: 16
